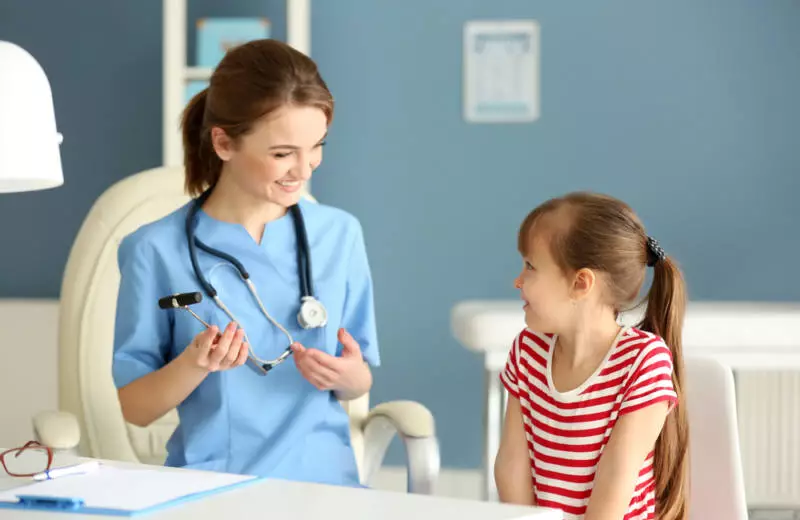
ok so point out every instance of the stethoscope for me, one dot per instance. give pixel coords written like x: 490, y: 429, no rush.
x: 312, y: 313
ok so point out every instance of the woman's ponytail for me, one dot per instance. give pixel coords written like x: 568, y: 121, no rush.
x: 201, y: 163
x: 250, y: 82
x: 666, y: 305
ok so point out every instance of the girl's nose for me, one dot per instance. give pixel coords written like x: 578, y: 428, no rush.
x: 518, y: 282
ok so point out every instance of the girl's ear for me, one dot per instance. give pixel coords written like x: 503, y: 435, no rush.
x: 583, y: 283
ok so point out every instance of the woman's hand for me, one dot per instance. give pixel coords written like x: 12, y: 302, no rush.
x: 348, y: 375
x: 211, y: 351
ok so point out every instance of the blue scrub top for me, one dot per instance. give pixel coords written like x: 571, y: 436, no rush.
x: 238, y: 421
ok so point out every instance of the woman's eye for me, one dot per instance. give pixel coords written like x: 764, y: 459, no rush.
x: 282, y: 155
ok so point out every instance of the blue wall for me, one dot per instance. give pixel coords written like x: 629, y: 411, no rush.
x: 687, y: 110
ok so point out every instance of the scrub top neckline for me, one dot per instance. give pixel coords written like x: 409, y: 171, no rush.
x: 208, y: 227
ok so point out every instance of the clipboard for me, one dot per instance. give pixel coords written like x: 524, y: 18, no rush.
x: 119, y: 491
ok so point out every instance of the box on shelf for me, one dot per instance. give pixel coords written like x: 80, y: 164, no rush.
x: 215, y: 36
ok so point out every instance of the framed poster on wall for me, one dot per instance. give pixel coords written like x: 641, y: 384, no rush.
x: 501, y: 71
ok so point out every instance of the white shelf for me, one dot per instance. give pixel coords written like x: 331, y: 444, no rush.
x: 176, y: 73
x: 197, y: 73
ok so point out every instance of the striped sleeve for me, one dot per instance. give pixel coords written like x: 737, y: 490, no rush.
x: 509, y: 374
x: 651, y: 381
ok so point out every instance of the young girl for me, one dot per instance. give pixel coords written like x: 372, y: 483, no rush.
x: 595, y: 424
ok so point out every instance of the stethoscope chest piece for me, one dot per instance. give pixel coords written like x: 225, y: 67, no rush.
x: 312, y: 313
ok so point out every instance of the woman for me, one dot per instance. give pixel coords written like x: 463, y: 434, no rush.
x: 257, y: 392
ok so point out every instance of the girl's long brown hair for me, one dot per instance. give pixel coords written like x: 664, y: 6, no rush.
x: 601, y: 233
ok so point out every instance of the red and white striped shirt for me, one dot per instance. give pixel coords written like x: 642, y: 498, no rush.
x: 567, y: 431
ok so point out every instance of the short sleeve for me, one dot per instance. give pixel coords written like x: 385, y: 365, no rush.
x: 359, y: 307
x: 651, y: 380
x: 509, y: 374
x: 142, y: 336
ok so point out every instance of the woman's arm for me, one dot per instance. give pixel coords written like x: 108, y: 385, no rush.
x: 632, y: 438
x: 512, y: 467
x: 153, y: 395
x: 149, y: 397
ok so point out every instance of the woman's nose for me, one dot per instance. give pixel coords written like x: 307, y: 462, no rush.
x: 305, y: 172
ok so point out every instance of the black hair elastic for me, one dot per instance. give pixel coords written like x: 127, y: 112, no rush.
x: 655, y: 253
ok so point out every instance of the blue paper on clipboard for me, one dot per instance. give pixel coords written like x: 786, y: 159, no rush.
x: 117, y: 491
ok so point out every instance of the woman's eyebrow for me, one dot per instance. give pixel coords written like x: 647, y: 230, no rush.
x: 294, y: 146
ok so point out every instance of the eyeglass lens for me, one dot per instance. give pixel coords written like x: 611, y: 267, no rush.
x: 28, y: 461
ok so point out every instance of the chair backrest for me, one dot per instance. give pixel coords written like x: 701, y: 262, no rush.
x: 87, y: 314
x: 717, y: 478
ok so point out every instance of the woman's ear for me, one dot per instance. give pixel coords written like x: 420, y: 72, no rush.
x: 222, y: 143
x: 583, y: 283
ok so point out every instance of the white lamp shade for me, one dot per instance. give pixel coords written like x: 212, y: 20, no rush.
x: 29, y: 143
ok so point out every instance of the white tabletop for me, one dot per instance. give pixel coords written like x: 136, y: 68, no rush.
x: 749, y: 335
x: 284, y: 500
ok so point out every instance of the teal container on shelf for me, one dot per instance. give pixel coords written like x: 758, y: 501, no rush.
x: 216, y: 35
x: 193, y: 87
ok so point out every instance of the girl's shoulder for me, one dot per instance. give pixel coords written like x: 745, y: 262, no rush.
x: 528, y: 338
x: 641, y: 341
x: 642, y: 350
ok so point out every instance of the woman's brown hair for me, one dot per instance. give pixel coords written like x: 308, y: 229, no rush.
x: 601, y: 233
x: 251, y: 81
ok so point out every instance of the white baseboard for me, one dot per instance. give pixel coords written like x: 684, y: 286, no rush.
x: 452, y: 483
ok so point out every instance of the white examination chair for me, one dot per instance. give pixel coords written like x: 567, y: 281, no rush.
x: 89, y: 420
x: 717, y: 478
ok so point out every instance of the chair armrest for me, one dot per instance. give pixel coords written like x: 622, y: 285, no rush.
x: 414, y: 423
x: 57, y: 430
x: 409, y: 418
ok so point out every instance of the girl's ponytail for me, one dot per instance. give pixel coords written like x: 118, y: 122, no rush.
x: 666, y: 305
x: 201, y: 163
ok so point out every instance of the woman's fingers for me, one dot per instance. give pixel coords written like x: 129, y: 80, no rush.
x: 244, y: 350
x: 217, y: 356
x: 235, y: 348
x: 205, y: 340
x: 317, y: 373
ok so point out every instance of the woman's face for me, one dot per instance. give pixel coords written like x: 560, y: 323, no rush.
x: 277, y: 157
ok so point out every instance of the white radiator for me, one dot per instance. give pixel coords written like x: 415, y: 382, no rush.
x: 769, y: 427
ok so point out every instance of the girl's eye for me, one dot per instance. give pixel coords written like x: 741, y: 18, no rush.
x: 282, y: 155
x: 528, y: 266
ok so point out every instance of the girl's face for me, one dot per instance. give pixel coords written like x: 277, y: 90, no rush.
x: 545, y: 289
x: 274, y: 161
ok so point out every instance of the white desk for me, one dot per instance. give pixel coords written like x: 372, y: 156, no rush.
x: 284, y: 500
x: 743, y: 335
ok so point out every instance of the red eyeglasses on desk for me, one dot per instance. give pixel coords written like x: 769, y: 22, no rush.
x: 34, y: 458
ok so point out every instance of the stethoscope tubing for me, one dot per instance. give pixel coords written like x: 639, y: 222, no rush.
x: 304, y: 275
